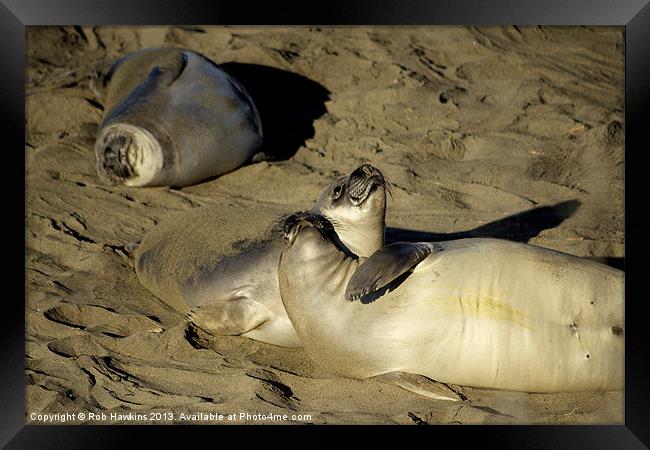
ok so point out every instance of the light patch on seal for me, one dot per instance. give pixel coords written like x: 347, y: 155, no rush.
x: 484, y: 306
x: 146, y: 158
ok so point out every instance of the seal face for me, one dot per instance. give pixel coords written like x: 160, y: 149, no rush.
x: 476, y: 312
x: 356, y: 205
x: 228, y: 291
x: 173, y: 118
x: 131, y: 155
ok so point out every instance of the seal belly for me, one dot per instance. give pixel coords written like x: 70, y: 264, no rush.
x: 513, y: 316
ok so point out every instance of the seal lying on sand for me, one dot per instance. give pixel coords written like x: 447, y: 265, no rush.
x: 190, y: 263
x: 477, y: 312
x: 173, y: 118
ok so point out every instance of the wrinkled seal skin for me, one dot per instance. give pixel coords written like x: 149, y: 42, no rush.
x: 477, y: 312
x: 237, y: 292
x: 175, y: 118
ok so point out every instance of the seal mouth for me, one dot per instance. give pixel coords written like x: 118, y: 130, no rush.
x: 363, y: 181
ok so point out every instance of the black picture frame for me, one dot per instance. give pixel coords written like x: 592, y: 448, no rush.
x: 633, y: 14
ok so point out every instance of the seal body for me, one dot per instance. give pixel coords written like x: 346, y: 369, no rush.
x: 220, y: 265
x: 173, y: 117
x: 212, y: 264
x: 477, y: 312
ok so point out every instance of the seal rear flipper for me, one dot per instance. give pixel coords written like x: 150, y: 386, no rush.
x: 420, y: 385
x: 229, y: 318
x: 384, y: 266
x: 98, y: 77
x: 132, y: 246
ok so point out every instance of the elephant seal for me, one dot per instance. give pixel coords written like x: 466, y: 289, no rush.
x: 212, y: 264
x: 173, y: 118
x: 477, y: 312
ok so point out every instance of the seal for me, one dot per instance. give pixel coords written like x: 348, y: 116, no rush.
x: 212, y: 265
x: 173, y: 117
x: 477, y: 312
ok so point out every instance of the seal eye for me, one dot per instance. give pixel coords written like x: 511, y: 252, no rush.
x: 336, y: 192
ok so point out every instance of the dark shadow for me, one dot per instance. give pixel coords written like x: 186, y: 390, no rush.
x: 519, y: 227
x: 288, y: 105
x: 390, y: 287
x: 617, y: 262
x: 195, y: 336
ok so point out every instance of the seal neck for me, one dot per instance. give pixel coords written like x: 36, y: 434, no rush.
x: 362, y: 238
x: 312, y: 277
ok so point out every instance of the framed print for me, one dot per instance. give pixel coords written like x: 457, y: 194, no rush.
x: 413, y: 215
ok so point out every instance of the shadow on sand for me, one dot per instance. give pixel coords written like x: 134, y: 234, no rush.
x: 519, y: 227
x: 288, y: 105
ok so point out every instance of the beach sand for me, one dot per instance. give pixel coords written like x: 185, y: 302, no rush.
x: 506, y: 132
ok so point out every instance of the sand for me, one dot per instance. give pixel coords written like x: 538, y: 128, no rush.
x: 510, y: 132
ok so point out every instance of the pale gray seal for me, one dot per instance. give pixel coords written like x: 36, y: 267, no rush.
x: 173, y: 117
x: 209, y: 263
x: 477, y: 312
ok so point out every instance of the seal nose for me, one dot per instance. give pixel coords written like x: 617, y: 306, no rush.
x: 366, y: 171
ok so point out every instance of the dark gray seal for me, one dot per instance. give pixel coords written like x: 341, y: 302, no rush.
x: 173, y: 117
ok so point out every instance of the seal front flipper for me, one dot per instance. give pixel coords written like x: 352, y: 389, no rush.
x: 385, y: 265
x: 420, y: 385
x: 131, y: 70
x: 230, y: 317
x: 160, y: 76
x: 168, y: 72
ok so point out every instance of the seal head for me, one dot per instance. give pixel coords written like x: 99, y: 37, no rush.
x: 356, y: 207
x: 131, y: 155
